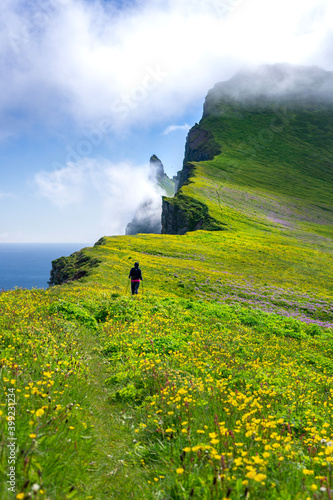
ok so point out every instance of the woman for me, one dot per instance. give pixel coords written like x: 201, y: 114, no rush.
x: 135, y: 275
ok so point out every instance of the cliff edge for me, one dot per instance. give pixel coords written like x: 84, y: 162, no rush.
x: 264, y: 143
x: 183, y: 213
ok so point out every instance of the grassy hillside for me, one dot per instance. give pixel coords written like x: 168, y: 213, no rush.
x: 204, y: 386
x: 215, y: 382
x: 275, y: 169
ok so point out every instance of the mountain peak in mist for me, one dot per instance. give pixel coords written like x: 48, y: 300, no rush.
x: 278, y: 83
x: 147, y: 218
x: 156, y: 168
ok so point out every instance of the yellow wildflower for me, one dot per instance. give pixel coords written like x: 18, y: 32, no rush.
x: 260, y: 477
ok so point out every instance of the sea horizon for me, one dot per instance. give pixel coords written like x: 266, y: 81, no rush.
x: 28, y: 265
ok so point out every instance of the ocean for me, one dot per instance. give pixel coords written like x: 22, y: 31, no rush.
x: 28, y: 265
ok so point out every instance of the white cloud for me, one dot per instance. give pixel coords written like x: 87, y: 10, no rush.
x: 88, y: 61
x: 64, y: 186
x: 103, y: 192
x: 174, y: 128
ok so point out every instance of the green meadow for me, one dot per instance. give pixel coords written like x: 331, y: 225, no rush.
x: 216, y: 381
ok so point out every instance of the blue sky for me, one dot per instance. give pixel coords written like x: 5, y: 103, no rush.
x: 91, y: 89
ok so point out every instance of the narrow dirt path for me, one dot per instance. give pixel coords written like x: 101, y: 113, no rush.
x: 112, y: 476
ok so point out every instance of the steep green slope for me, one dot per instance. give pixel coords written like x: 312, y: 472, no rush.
x: 277, y: 163
x: 275, y: 166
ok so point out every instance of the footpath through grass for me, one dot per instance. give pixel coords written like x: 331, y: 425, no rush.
x: 59, y: 436
x: 160, y: 396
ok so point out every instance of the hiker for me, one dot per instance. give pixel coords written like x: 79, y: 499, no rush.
x: 135, y: 275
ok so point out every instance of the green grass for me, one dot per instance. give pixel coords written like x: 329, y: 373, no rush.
x: 162, y: 396
x: 216, y: 381
x: 219, y: 312
x: 275, y: 168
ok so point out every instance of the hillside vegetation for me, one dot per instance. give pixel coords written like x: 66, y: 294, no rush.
x: 215, y: 382
x: 275, y: 170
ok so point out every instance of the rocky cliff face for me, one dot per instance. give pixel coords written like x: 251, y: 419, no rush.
x: 246, y: 112
x: 156, y: 169
x: 200, y: 146
x: 71, y: 268
x: 178, y: 216
x: 182, y: 213
x: 147, y: 218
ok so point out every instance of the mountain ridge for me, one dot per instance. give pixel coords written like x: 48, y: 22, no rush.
x: 274, y: 84
x: 266, y: 178
x: 274, y: 148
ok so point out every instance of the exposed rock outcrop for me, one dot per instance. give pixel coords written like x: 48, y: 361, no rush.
x: 183, y: 213
x: 71, y: 268
x: 147, y: 218
x: 159, y: 177
x: 200, y: 146
x: 156, y: 169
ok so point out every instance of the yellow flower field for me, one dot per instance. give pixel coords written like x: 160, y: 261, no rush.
x: 209, y: 384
